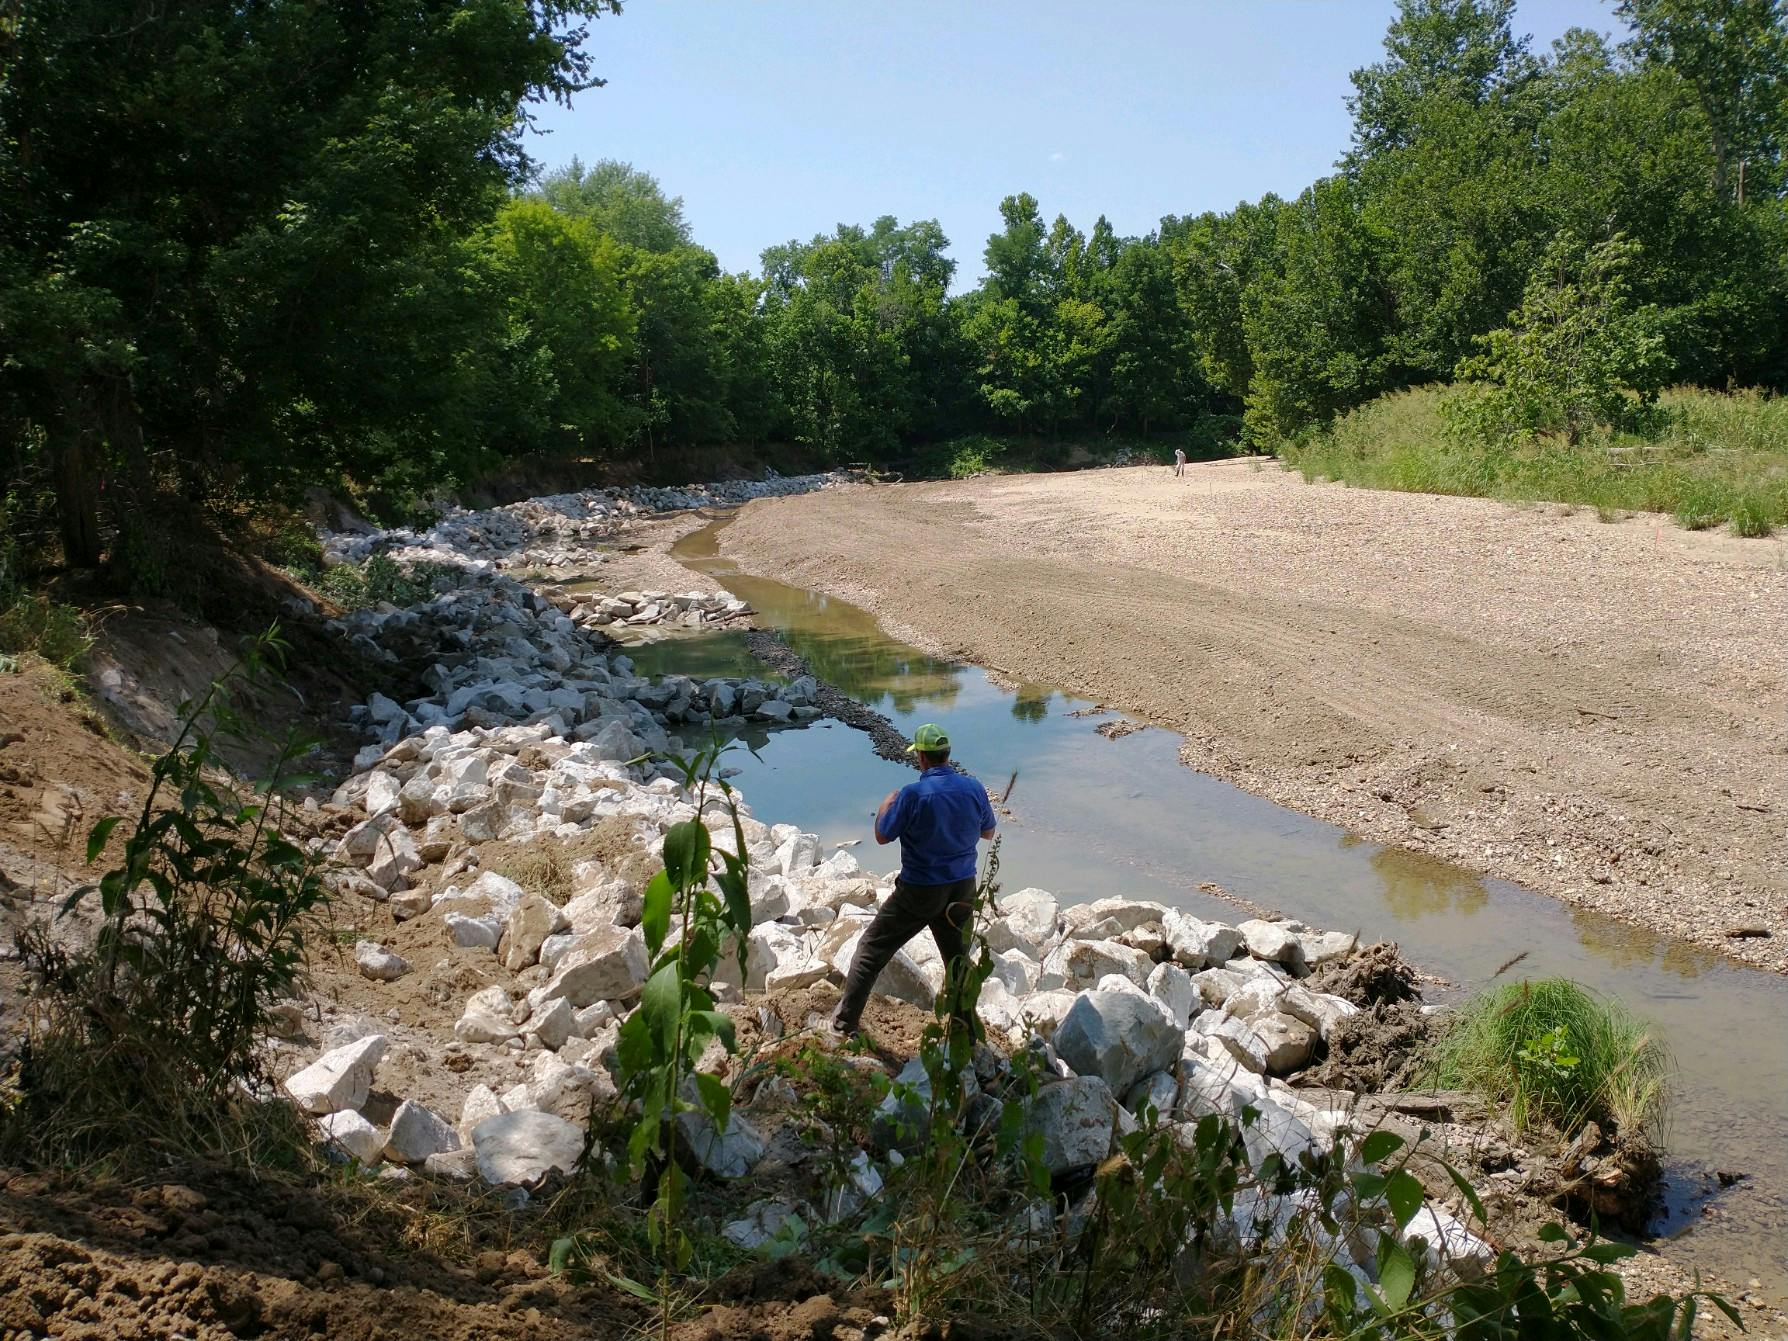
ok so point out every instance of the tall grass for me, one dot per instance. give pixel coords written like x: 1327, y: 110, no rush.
x: 1714, y: 459
x: 1555, y: 1052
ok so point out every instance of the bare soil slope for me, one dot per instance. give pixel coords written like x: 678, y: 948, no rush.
x: 1594, y: 710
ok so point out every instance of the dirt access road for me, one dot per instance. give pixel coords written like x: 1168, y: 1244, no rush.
x: 1595, y: 710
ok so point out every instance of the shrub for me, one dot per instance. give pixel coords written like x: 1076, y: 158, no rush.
x: 380, y: 579
x: 976, y: 455
x: 1554, y: 1052
x: 1575, y: 356
x: 150, y: 1033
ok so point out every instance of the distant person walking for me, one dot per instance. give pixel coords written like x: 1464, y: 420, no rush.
x: 1179, y: 462
x: 937, y: 820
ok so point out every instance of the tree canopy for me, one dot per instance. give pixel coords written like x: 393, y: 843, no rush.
x: 249, y: 248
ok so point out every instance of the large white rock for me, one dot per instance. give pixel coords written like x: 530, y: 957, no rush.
x: 1446, y: 1246
x: 1107, y: 919
x: 531, y: 921
x: 1078, y: 1120
x: 552, y: 1023
x: 381, y: 793
x: 376, y: 962
x: 1288, y: 1042
x: 1274, y: 941
x: 523, y: 1148
x: 417, y: 1133
x: 731, y: 1152
x: 350, y: 1132
x: 1172, y: 986
x: 473, y: 933
x: 1047, y: 1010
x: 339, y: 1079
x: 1324, y: 947
x: 1240, y: 1040
x: 480, y: 1104
x: 605, y: 965
x: 1119, y: 1037
x: 488, y: 1017
x: 1320, y: 1010
x: 1198, y: 944
x: 1026, y: 922
x: 1081, y: 963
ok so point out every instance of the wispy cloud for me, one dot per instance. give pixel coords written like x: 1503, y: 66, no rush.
x: 1057, y: 156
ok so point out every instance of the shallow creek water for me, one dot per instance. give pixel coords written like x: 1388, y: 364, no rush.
x: 1093, y: 817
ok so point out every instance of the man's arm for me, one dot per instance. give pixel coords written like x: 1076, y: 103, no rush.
x: 882, y: 814
x: 987, y: 819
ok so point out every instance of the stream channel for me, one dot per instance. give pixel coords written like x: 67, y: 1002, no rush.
x: 1092, y: 817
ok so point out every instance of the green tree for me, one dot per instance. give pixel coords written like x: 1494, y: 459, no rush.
x: 1576, y: 355
x: 621, y: 201
x: 1437, y: 51
x: 235, y: 237
x: 1734, y: 55
x: 570, y: 331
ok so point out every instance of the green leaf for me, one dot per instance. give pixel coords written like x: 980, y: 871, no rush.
x: 1608, y: 1252
x: 1405, y: 1195
x: 1396, y: 1273
x: 560, y: 1255
x: 1377, y: 1148
x: 1467, y: 1191
x: 96, y: 840
x: 686, y: 847
x: 1553, y: 1232
x: 631, y: 1287
x: 662, y: 1004
x: 716, y: 1098
x: 654, y: 919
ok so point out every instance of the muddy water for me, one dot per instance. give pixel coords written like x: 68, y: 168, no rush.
x: 1094, y: 817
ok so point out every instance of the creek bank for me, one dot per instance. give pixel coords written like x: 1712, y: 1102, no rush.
x: 535, y: 733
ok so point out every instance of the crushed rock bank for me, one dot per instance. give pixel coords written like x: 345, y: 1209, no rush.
x: 533, y: 733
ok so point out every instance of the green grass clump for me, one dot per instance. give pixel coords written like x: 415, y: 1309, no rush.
x: 1554, y: 1052
x: 1707, y: 458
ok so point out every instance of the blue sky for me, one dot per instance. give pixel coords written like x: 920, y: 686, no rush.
x: 775, y: 119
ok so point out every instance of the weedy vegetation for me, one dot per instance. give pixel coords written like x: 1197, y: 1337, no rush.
x: 148, y: 1036
x: 1554, y: 1052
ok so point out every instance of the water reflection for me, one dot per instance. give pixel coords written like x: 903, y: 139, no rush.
x: 1417, y: 885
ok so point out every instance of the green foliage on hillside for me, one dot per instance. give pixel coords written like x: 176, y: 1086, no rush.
x: 210, y: 290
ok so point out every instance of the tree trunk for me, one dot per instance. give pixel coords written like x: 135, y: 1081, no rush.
x: 77, y: 495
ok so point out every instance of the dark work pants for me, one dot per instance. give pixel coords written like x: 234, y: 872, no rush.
x: 910, y: 909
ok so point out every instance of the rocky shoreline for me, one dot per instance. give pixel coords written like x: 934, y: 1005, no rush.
x: 534, y: 735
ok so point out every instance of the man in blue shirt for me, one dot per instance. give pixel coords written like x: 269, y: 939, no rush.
x: 938, y: 820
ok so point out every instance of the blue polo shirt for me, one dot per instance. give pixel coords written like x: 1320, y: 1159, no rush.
x: 938, y: 820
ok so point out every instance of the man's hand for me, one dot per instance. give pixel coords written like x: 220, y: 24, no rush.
x: 882, y: 810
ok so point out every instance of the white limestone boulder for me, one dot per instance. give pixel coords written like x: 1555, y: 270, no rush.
x: 353, y: 1135
x: 1081, y: 963
x: 418, y: 1132
x: 1276, y: 942
x: 1078, y: 1121
x: 1026, y: 923
x: 523, y: 1148
x: 1119, y: 1037
x: 1197, y: 944
x: 340, y: 1079
x: 377, y: 963
x: 488, y: 1017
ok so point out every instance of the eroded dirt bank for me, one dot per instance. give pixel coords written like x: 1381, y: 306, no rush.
x: 1593, y: 710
